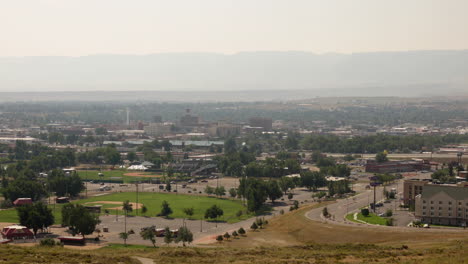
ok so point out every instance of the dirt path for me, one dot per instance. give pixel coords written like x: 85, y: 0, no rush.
x: 144, y: 260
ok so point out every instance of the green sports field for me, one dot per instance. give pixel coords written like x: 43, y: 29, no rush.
x: 153, y: 203
x: 115, y: 175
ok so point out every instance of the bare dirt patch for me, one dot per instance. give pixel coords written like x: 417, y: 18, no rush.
x: 142, y: 174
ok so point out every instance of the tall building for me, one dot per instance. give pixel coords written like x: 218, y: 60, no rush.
x: 188, y: 119
x: 265, y: 123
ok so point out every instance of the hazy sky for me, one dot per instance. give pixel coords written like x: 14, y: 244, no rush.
x: 84, y: 27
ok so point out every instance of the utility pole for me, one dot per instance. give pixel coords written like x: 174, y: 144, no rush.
x: 374, y: 197
x: 136, y: 205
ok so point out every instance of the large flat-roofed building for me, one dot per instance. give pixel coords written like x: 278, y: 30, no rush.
x: 443, y: 204
x: 396, y: 166
x: 158, y: 129
x: 224, y: 130
x: 265, y: 123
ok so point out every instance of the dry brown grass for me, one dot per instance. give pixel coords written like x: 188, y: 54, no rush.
x: 294, y: 228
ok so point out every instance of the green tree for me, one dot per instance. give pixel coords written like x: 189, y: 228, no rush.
x: 220, y: 191
x: 241, y: 231
x: 112, y: 156
x: 381, y: 157
x: 209, y: 190
x: 79, y: 219
x: 254, y: 226
x: 189, y: 212
x: 167, y: 236
x: 213, y: 212
x: 144, y: 209
x: 233, y: 192
x: 226, y: 236
x: 132, y: 156
x: 285, y: 184
x: 148, y: 234
x: 22, y: 187
x: 168, y: 186
x: 124, y: 236
x: 230, y: 146
x: 184, y: 235
x: 219, y: 238
x: 36, y: 216
x: 165, y: 209
x: 235, y: 234
x: 274, y: 191
x: 365, y: 211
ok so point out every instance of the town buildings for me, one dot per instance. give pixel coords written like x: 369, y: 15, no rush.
x: 396, y: 166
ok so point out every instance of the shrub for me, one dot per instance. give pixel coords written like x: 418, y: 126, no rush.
x: 254, y: 226
x: 296, y: 205
x: 49, y: 242
x: 365, y: 211
x: 282, y: 212
x: 234, y: 234
x: 389, y: 222
x: 239, y: 213
x: 389, y: 213
x: 325, y: 212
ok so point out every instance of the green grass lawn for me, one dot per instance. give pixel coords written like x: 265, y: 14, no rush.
x: 153, y: 202
x: 372, y: 219
x: 110, y: 174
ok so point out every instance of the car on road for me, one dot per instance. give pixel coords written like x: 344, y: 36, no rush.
x: 204, y: 181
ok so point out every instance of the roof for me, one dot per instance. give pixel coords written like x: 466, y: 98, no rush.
x: 147, y: 163
x: 456, y: 193
x: 21, y: 201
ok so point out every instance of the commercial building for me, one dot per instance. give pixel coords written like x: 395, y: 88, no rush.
x: 158, y: 129
x: 189, y: 120
x: 412, y: 188
x: 396, y: 166
x: 443, y: 204
x: 265, y: 123
x: 224, y: 130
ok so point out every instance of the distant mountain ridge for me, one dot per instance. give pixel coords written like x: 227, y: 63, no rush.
x: 413, y: 73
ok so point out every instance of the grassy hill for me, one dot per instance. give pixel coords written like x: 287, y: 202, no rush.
x: 312, y: 253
